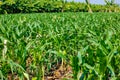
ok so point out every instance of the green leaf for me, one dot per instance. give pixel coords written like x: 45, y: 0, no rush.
x: 1, y: 75
x: 26, y: 76
x: 88, y: 66
x: 111, y: 70
x: 79, y: 58
x: 34, y: 78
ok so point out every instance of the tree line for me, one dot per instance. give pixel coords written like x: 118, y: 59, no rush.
x: 29, y: 6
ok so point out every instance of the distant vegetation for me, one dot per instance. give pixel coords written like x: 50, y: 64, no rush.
x: 30, y: 6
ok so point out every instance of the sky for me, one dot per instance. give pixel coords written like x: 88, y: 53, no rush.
x: 97, y: 1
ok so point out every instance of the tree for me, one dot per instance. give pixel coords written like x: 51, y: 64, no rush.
x: 88, y: 5
x: 110, y: 4
x: 63, y: 4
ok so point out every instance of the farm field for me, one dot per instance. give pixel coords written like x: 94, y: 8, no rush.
x: 63, y: 46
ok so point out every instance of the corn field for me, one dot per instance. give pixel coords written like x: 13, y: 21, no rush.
x: 33, y: 46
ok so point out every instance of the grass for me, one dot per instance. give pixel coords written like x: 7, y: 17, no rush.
x: 31, y: 45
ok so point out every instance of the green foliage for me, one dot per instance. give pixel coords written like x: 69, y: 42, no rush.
x: 30, y: 6
x: 32, y: 44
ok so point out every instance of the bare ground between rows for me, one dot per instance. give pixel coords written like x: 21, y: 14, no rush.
x: 62, y: 72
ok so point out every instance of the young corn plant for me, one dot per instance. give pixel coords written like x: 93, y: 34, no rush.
x: 32, y: 46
